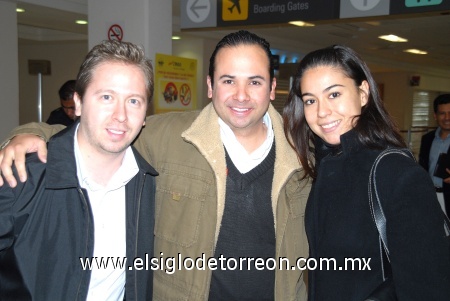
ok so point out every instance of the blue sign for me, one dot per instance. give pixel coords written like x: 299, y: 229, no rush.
x: 414, y: 3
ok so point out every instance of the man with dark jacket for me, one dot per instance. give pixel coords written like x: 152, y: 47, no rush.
x: 435, y: 143
x: 67, y: 233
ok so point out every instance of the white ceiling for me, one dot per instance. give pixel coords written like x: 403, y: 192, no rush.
x: 428, y: 32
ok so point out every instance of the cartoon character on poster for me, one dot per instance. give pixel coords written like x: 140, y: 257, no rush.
x: 170, y: 93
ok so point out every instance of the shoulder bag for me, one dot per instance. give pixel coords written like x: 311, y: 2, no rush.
x: 386, y: 290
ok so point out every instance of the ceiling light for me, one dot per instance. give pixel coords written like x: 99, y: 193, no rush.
x: 393, y: 38
x: 20, y: 10
x: 81, y: 22
x: 176, y: 38
x: 415, y: 51
x: 301, y: 23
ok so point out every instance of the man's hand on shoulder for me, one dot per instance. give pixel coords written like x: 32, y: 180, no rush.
x: 15, y: 151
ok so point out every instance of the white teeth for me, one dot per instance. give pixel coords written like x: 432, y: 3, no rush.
x: 240, y: 110
x: 330, y: 125
x: 116, y: 132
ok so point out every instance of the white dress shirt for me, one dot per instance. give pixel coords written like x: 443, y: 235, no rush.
x: 108, y: 209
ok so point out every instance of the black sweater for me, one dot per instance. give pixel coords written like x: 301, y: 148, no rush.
x: 247, y: 232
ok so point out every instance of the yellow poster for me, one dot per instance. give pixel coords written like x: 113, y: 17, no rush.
x: 175, y: 84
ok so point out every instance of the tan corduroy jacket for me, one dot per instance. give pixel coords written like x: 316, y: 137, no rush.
x: 186, y: 149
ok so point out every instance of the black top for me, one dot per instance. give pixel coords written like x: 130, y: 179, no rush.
x: 58, y: 116
x: 339, y: 225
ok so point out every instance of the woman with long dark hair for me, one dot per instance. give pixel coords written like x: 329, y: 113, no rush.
x: 336, y: 121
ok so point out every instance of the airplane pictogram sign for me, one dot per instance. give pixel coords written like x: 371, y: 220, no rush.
x: 233, y: 10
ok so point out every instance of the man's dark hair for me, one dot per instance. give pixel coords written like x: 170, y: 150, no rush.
x: 67, y: 90
x: 241, y: 37
x: 441, y: 100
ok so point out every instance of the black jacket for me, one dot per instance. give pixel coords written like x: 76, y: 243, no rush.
x: 339, y: 225
x: 46, y: 226
x: 58, y: 116
x: 424, y: 159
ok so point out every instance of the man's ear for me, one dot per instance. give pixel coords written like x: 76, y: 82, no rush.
x: 78, y: 104
x: 272, y: 89
x: 209, y: 84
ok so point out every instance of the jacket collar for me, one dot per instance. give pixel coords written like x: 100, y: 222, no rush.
x: 61, y: 170
x: 205, y: 131
x: 349, y: 144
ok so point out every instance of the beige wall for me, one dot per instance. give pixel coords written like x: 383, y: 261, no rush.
x: 398, y: 93
x: 65, y: 59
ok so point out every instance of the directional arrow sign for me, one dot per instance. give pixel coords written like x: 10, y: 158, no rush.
x: 198, y: 13
x: 198, y: 10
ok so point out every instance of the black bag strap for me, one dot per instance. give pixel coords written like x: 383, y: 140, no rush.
x: 377, y: 211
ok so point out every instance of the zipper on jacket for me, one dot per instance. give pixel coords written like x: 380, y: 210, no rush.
x: 83, y: 197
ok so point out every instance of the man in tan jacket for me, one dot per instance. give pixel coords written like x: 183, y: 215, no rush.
x: 231, y: 194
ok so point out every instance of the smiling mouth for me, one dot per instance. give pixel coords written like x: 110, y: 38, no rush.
x: 331, y: 125
x: 240, y: 110
x: 116, y: 132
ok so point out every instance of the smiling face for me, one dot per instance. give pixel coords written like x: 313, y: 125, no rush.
x: 242, y: 87
x: 331, y: 101
x: 442, y: 117
x: 113, y: 108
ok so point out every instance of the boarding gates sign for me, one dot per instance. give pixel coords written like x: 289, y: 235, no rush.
x: 224, y: 13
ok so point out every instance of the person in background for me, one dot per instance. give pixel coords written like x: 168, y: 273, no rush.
x: 91, y: 206
x: 338, y: 126
x: 435, y: 143
x: 229, y: 184
x: 65, y: 114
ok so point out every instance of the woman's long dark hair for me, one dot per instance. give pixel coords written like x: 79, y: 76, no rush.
x: 375, y: 127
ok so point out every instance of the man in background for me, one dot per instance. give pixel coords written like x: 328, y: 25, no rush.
x: 435, y: 143
x: 65, y: 114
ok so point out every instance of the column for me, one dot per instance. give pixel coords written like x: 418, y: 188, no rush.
x: 9, y: 69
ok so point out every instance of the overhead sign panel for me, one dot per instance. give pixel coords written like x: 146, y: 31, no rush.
x: 256, y: 12
x: 363, y: 8
x: 224, y: 13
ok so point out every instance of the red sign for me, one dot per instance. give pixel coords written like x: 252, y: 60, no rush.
x: 115, y: 32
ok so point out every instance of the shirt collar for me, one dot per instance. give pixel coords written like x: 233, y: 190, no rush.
x: 438, y: 134
x: 238, y: 154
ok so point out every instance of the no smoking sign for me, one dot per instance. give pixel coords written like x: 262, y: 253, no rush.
x: 115, y: 32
